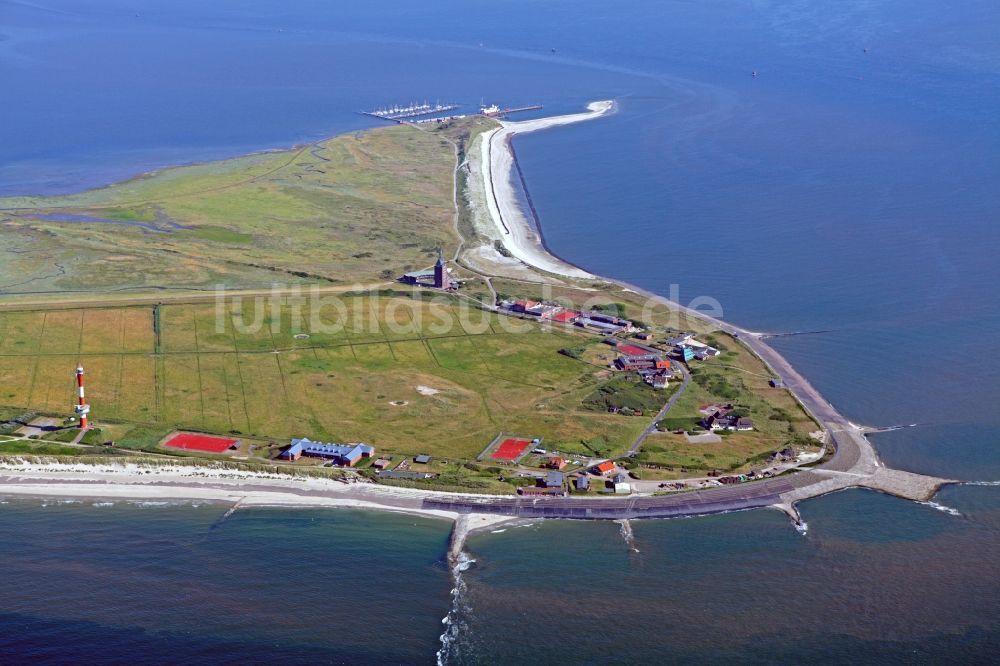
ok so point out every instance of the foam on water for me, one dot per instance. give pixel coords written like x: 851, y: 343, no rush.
x: 453, y: 622
x: 941, y: 507
x: 627, y: 534
x: 802, y: 528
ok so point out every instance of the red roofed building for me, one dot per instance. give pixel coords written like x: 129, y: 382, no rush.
x: 555, y: 462
x: 565, y: 317
x: 604, y: 467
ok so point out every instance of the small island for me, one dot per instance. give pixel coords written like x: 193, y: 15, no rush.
x: 372, y: 320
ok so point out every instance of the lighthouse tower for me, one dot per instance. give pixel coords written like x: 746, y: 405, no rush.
x: 82, y: 409
x: 441, y: 278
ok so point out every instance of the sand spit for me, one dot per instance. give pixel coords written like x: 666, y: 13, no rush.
x: 516, y: 232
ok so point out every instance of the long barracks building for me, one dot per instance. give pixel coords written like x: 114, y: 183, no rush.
x: 343, y: 454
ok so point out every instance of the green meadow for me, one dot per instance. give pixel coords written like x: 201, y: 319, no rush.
x: 406, y: 375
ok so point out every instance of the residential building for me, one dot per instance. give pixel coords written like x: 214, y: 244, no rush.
x: 722, y: 421
x: 603, y: 468
x: 679, y: 340
x: 556, y: 462
x: 554, y: 480
x: 347, y: 455
x: 659, y: 381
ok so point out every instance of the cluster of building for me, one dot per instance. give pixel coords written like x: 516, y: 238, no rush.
x: 346, y: 455
x: 554, y: 483
x: 687, y: 349
x: 723, y: 419
x: 595, y: 321
x: 652, y: 367
x: 617, y: 481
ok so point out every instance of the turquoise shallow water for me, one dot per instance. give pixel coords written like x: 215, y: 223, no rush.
x: 840, y: 190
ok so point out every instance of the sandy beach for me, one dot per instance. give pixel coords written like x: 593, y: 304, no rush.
x: 515, y: 230
x: 245, y: 489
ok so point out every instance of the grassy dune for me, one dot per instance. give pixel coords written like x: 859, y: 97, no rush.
x: 349, y: 209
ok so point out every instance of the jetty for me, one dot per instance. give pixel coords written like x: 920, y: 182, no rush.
x: 494, y: 111
x: 413, y: 110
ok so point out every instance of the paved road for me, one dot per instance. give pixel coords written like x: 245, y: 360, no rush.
x: 13, y: 302
x: 662, y: 413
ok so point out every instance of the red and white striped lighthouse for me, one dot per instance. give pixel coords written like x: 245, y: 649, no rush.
x: 82, y: 408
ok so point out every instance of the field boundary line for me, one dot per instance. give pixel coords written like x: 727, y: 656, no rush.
x: 197, y: 360
x: 239, y: 371
x: 34, y: 371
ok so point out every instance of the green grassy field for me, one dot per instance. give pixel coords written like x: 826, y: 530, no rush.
x: 409, y: 376
x: 357, y: 207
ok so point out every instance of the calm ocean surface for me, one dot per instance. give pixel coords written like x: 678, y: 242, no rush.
x: 840, y: 190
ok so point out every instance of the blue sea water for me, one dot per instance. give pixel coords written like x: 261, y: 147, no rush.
x: 850, y: 187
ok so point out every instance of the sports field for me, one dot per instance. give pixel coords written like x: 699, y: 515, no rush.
x: 510, y: 449
x: 405, y: 375
x: 205, y: 443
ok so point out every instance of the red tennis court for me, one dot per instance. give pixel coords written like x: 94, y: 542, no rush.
x: 631, y: 350
x: 510, y: 449
x: 191, y: 442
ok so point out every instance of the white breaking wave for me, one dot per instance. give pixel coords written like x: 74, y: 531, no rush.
x: 453, y: 623
x: 941, y: 507
x: 980, y: 483
x: 627, y: 535
x: 802, y: 528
